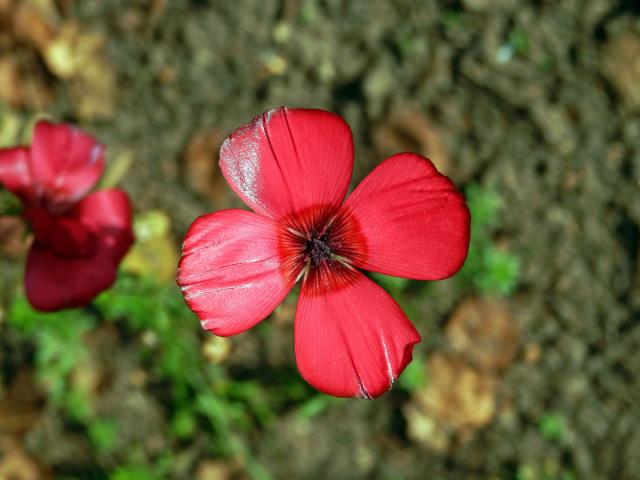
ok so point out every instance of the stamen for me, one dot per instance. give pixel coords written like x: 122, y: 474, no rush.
x: 344, y: 261
x: 304, y: 272
x: 331, y: 220
x: 296, y: 233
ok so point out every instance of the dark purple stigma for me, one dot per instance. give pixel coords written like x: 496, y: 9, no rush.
x: 318, y: 247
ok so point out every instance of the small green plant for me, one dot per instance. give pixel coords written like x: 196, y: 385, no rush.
x: 199, y: 390
x: 488, y: 269
x: 394, y: 285
x: 552, y: 426
x: 9, y: 203
x: 134, y: 473
x: 414, y: 376
x: 59, y: 349
x: 204, y: 398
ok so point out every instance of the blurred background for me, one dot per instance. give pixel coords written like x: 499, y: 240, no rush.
x: 529, y: 365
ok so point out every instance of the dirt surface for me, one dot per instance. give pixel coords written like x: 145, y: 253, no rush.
x: 539, y: 101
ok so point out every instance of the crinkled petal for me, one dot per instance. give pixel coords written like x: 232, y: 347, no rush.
x: 14, y: 172
x: 69, y: 275
x: 287, y: 160
x: 231, y: 273
x: 65, y: 161
x: 413, y: 220
x: 352, y: 340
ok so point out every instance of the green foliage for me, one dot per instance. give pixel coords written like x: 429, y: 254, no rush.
x: 414, y: 376
x: 183, y: 423
x: 58, y: 338
x: 9, y: 203
x: 500, y: 273
x: 391, y: 284
x: 103, y: 434
x: 519, y: 41
x: 317, y: 405
x: 201, y: 394
x: 548, y: 472
x: 133, y: 473
x: 488, y: 269
x: 552, y: 426
x: 198, y: 390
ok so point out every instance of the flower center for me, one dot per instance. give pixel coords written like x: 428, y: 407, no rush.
x: 317, y: 247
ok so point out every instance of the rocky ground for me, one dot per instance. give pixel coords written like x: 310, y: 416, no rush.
x: 530, y: 375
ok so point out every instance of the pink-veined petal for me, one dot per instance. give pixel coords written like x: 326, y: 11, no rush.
x: 75, y: 256
x: 231, y: 273
x: 287, y: 160
x: 65, y: 162
x: 14, y: 172
x: 414, y: 221
x: 352, y: 340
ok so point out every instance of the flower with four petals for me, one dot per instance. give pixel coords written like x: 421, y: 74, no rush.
x: 293, y: 167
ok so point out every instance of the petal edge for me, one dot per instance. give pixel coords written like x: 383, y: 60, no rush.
x: 414, y: 221
x: 353, y: 341
x: 230, y: 273
x: 286, y: 160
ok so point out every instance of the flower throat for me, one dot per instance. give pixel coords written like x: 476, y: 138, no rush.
x: 317, y: 247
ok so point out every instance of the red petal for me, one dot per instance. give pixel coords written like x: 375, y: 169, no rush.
x: 55, y: 278
x: 414, y: 221
x: 64, y: 236
x: 230, y: 273
x: 66, y: 162
x: 286, y: 160
x: 353, y: 340
x: 54, y: 283
x: 108, y: 214
x: 14, y: 172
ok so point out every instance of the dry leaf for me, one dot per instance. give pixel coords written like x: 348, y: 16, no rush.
x: 423, y: 429
x: 214, y: 470
x: 116, y: 169
x: 621, y: 64
x: 484, y: 332
x: 154, y: 252
x: 77, y: 56
x: 200, y: 167
x: 14, y: 241
x: 19, y: 89
x: 20, y: 404
x: 216, y: 349
x: 457, y: 395
x: 409, y: 130
x: 33, y: 24
x: 15, y: 464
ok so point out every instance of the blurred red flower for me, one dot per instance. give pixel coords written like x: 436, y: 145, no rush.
x: 79, y: 239
x: 293, y: 168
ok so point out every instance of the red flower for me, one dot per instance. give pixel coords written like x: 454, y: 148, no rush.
x: 293, y: 168
x: 79, y: 239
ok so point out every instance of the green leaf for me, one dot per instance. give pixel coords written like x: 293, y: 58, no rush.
x: 133, y: 473
x: 183, y: 424
x: 500, y: 272
x: 552, y: 426
x: 103, y: 434
x: 414, y: 376
x: 393, y: 284
x: 484, y: 205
